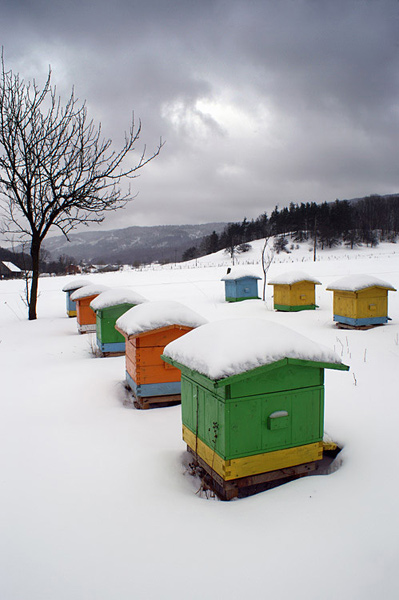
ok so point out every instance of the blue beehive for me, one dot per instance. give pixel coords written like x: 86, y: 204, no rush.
x: 69, y: 288
x: 240, y: 284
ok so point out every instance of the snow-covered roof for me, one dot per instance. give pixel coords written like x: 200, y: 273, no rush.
x: 88, y: 290
x: 292, y: 277
x: 355, y: 283
x: 116, y: 296
x: 233, y: 346
x: 239, y: 273
x: 75, y: 284
x: 157, y: 314
x: 11, y: 267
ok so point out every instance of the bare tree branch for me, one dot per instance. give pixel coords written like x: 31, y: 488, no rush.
x: 267, y: 259
x: 56, y: 169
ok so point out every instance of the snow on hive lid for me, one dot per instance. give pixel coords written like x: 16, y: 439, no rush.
x: 88, y: 290
x: 355, y: 283
x: 233, y: 346
x: 75, y: 284
x: 292, y: 277
x: 157, y: 314
x: 115, y: 297
x: 239, y: 273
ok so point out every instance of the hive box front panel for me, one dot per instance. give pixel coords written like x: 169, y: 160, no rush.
x: 295, y: 297
x: 365, y: 307
x: 272, y: 413
x: 108, y: 338
x: 86, y: 317
x: 146, y: 373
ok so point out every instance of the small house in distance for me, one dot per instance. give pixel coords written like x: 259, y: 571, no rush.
x: 294, y: 291
x: 240, y: 284
x: 360, y: 301
x: 109, y: 306
x: 148, y: 328
x: 252, y: 397
x: 86, y: 317
x: 9, y: 271
x: 69, y: 288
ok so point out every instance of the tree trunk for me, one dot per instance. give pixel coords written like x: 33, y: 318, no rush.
x: 315, y: 240
x: 34, y: 287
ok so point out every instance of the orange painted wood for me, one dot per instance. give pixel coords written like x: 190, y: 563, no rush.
x: 84, y: 314
x: 160, y: 337
x: 155, y: 374
x: 143, y: 355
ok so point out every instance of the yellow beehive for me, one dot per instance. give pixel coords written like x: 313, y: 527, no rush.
x: 294, y: 291
x: 360, y: 300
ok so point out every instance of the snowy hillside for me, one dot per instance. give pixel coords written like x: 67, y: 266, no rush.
x: 131, y: 244
x: 96, y: 502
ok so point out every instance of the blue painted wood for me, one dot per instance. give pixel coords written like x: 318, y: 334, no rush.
x: 241, y: 289
x: 153, y: 389
x: 111, y: 346
x: 359, y: 322
x: 70, y: 305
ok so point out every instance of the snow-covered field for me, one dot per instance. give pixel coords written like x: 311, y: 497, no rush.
x: 95, y: 502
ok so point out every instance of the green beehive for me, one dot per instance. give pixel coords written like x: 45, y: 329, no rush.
x: 252, y: 395
x: 109, y: 306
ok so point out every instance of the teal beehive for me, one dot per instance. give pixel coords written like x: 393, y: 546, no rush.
x: 240, y: 284
x: 69, y: 288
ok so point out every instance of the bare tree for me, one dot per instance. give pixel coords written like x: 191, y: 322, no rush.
x: 267, y: 259
x: 56, y: 170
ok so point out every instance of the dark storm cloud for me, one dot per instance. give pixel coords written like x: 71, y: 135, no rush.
x: 260, y: 102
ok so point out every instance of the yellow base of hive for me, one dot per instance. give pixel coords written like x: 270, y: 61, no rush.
x: 255, y: 464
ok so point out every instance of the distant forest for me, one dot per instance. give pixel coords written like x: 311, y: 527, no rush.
x: 351, y: 222
x: 364, y: 221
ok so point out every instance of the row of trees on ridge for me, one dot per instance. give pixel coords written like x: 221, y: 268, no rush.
x: 367, y: 221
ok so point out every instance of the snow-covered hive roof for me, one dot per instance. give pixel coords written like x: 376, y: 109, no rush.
x: 292, y: 277
x: 233, y: 346
x: 115, y: 297
x: 88, y: 290
x: 355, y: 283
x: 75, y: 284
x: 157, y: 314
x: 239, y: 273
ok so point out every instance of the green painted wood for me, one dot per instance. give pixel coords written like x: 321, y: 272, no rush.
x: 296, y: 308
x: 290, y: 377
x: 229, y: 299
x: 200, y: 379
x: 233, y: 416
x: 105, y: 323
x: 272, y: 366
x: 238, y: 425
x: 205, y: 413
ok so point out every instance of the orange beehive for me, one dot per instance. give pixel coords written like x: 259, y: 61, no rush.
x: 86, y: 317
x: 148, y: 328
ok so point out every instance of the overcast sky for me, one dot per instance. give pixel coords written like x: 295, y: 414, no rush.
x: 260, y: 102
